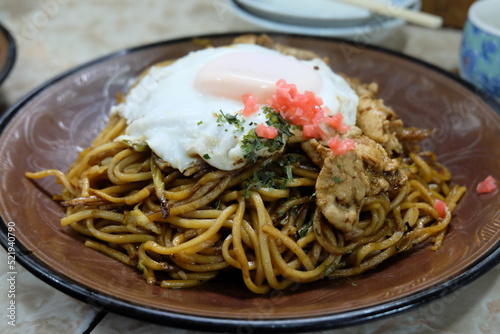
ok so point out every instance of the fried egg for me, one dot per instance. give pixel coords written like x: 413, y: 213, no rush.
x: 181, y: 110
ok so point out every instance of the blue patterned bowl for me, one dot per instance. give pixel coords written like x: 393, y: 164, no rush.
x: 480, y: 48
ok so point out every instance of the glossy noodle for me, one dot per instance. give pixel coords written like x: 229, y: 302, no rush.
x: 266, y: 220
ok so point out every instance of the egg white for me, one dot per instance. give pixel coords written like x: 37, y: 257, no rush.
x: 179, y: 123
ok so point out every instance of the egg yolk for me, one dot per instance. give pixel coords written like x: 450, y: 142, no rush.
x: 236, y: 74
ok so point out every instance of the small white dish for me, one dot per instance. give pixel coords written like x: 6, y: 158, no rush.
x: 314, y: 13
x: 374, y: 30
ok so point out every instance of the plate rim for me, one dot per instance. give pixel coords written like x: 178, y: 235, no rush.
x: 11, y: 54
x: 359, y: 316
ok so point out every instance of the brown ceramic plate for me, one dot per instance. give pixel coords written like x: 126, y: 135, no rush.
x: 51, y: 125
x: 7, y: 53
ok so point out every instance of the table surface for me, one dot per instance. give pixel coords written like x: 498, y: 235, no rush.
x: 56, y: 35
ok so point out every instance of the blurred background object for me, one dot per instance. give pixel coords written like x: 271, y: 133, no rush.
x: 453, y: 12
x: 326, y: 18
x: 7, y: 53
x: 479, y: 53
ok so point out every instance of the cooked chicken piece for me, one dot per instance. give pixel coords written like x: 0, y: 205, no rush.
x: 297, y: 53
x: 262, y: 40
x: 412, y: 134
x: 345, y: 180
x: 380, y: 123
x: 318, y: 153
x: 315, y: 151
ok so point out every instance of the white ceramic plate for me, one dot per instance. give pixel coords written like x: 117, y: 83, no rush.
x: 314, y: 13
x: 372, y: 31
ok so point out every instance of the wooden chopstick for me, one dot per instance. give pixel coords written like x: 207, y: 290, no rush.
x: 415, y: 17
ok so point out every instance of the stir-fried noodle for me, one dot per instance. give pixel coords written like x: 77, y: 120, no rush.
x: 182, y: 229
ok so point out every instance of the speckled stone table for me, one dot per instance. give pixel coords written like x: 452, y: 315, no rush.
x: 55, y: 35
